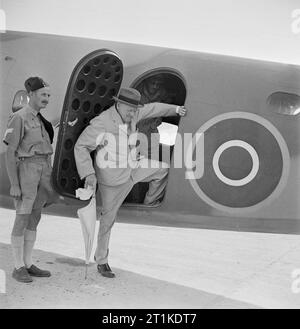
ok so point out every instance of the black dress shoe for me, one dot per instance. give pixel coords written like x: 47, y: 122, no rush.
x: 35, y: 271
x: 105, y: 270
x: 21, y: 275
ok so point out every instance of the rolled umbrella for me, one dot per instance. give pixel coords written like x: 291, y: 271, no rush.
x: 87, y: 216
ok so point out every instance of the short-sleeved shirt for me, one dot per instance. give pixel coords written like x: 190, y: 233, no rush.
x: 26, y: 134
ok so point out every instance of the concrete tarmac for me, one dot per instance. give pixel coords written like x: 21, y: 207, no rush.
x: 156, y: 267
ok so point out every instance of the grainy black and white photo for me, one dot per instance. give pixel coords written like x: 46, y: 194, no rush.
x: 150, y: 156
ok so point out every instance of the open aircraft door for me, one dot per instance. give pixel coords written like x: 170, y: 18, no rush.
x: 93, y: 83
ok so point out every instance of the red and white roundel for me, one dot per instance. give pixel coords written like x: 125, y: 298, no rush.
x: 244, y: 162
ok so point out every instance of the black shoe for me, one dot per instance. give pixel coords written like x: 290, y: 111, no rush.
x: 105, y: 270
x: 35, y: 271
x: 21, y: 275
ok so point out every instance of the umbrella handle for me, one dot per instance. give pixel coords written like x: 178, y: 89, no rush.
x: 86, y: 271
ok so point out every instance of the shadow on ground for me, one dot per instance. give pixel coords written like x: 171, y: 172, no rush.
x: 67, y: 288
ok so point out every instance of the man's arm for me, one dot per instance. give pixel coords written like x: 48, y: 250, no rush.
x: 153, y: 110
x: 11, y: 166
x: 12, y: 139
x: 86, y: 143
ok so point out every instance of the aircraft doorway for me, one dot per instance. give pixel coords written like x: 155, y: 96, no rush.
x: 165, y: 86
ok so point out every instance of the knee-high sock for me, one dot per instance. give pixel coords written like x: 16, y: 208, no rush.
x: 29, y: 240
x: 17, y: 245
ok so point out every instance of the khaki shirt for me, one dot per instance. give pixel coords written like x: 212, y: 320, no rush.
x: 26, y: 134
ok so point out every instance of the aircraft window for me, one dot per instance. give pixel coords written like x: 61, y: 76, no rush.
x: 165, y: 88
x: 162, y: 86
x: 284, y: 103
x: 20, y: 100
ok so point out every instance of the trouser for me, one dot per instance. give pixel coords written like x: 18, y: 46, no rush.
x: 113, y: 197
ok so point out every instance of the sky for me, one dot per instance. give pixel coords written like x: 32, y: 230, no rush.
x: 258, y: 29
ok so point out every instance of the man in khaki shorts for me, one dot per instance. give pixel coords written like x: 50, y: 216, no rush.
x: 28, y: 138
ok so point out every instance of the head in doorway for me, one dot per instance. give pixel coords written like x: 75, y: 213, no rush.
x: 38, y: 91
x: 154, y: 84
x: 127, y: 103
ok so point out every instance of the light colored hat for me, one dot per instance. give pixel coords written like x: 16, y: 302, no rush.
x: 129, y: 96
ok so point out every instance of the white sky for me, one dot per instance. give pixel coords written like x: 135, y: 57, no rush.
x: 260, y: 29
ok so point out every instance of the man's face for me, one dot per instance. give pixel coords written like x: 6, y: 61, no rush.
x: 127, y: 112
x: 41, y: 97
x: 153, y: 86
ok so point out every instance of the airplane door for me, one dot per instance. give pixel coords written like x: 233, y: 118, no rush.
x: 93, y: 83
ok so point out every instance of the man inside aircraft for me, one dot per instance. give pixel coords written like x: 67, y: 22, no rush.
x: 118, y: 165
x: 28, y: 138
x: 152, y: 90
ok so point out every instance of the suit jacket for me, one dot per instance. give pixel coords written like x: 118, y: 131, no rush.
x: 115, y: 142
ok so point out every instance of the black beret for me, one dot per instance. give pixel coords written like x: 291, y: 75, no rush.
x: 34, y: 83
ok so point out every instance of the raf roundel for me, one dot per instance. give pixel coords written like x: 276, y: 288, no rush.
x: 245, y: 162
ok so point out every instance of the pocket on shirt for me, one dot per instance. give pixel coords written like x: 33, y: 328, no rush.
x: 33, y: 136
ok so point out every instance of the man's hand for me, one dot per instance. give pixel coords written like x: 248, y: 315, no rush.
x: 182, y: 111
x: 15, y: 191
x: 90, y: 180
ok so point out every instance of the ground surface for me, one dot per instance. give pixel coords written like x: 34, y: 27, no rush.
x: 156, y: 267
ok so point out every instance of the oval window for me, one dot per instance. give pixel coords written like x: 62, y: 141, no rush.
x: 20, y: 100
x: 284, y: 103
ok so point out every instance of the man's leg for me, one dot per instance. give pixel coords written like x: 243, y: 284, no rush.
x: 112, y: 199
x: 35, y: 216
x: 44, y: 194
x: 30, y: 236
x: 29, y: 180
x: 156, y: 173
x: 29, y: 241
x: 157, y: 186
x: 17, y: 239
x: 17, y: 244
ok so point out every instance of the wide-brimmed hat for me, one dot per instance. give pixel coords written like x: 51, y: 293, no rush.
x: 129, y: 96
